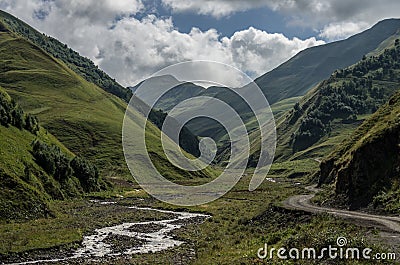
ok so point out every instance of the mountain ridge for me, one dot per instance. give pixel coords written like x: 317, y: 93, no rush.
x: 360, y: 44
x: 84, y: 117
x: 337, y: 105
x: 291, y: 79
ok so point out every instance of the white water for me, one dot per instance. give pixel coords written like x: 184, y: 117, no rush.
x: 93, y: 246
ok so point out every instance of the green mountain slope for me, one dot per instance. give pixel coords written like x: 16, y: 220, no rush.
x: 366, y: 167
x: 84, y: 117
x: 311, y: 66
x: 27, y: 187
x: 334, y: 109
x: 85, y: 68
x: 292, y: 79
x: 81, y: 65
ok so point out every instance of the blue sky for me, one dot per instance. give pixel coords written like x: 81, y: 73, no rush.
x: 132, y: 39
x: 261, y: 18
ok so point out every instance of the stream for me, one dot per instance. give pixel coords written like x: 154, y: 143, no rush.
x: 136, y: 238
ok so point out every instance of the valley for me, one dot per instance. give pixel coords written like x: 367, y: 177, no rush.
x: 67, y: 195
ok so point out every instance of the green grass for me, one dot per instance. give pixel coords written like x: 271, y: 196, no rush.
x: 280, y: 107
x: 241, y: 223
x: 294, y: 169
x: 21, y: 196
x: 85, y: 118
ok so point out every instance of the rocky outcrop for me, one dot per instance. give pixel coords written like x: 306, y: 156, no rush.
x: 368, y: 162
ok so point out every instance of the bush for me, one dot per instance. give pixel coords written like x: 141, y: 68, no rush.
x: 87, y: 174
x: 57, y: 164
x: 52, y: 160
x: 11, y: 114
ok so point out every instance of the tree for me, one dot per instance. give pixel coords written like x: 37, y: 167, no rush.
x: 31, y: 124
x: 87, y: 173
x: 52, y: 160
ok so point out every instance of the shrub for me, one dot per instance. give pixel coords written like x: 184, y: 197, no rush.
x: 87, y: 174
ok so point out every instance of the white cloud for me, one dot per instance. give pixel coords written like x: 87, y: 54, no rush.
x: 337, y: 31
x: 219, y: 8
x: 144, y: 47
x: 130, y: 50
x: 257, y: 51
x: 334, y: 19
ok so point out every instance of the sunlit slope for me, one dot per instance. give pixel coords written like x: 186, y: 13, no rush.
x: 81, y: 115
x: 26, y: 188
x: 331, y: 111
x: 365, y: 168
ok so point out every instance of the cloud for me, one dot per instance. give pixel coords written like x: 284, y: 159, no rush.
x: 316, y: 14
x: 137, y: 48
x: 131, y: 49
x: 258, y: 51
x: 218, y: 9
x: 77, y: 23
x: 337, y: 31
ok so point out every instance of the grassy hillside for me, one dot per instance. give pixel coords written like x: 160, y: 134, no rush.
x: 80, y: 65
x: 292, y: 79
x: 83, y: 67
x: 365, y: 168
x: 311, y: 66
x: 84, y: 117
x: 330, y: 112
x: 26, y: 187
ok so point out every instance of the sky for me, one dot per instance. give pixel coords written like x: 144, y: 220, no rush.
x: 133, y: 39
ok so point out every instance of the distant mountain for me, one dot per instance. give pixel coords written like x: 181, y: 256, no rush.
x: 305, y: 70
x: 177, y: 94
x: 365, y: 169
x: 292, y: 79
x: 334, y: 108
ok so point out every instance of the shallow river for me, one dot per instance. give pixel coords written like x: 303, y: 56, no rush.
x: 146, y: 237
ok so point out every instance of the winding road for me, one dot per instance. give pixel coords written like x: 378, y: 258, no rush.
x: 302, y: 202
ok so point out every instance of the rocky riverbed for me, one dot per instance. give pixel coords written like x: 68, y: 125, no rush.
x: 117, y: 241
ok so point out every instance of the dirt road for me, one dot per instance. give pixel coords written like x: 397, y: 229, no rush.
x: 302, y: 202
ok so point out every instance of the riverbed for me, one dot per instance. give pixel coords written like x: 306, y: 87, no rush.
x: 128, y: 239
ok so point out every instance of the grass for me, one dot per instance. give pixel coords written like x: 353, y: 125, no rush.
x: 25, y: 196
x: 280, y: 107
x: 85, y: 118
x: 294, y: 169
x: 241, y: 223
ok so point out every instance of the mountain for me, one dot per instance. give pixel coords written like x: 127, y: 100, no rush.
x: 177, y: 94
x: 83, y: 116
x: 80, y: 65
x: 365, y: 169
x: 85, y: 68
x: 305, y: 70
x: 187, y: 140
x: 337, y: 106
x: 292, y: 79
x: 179, y: 91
